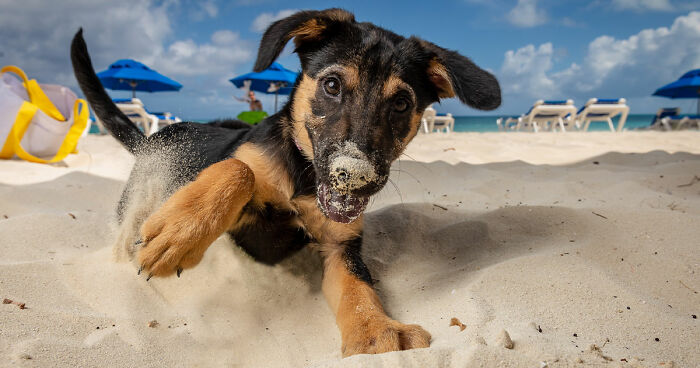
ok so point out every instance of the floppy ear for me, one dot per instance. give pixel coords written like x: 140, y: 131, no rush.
x: 303, y: 26
x: 455, y: 75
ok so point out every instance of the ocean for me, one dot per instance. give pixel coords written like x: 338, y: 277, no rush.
x: 488, y: 123
x: 484, y: 124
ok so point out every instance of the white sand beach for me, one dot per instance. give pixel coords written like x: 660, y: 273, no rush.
x: 584, y: 247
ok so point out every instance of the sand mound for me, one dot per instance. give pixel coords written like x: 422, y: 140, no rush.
x: 595, y: 262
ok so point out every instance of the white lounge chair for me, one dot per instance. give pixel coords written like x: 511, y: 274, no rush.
x: 432, y: 121
x: 602, y: 110
x: 150, y: 122
x: 507, y: 123
x: 680, y: 122
x: 546, y: 115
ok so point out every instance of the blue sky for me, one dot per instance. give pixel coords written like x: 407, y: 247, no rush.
x: 536, y: 48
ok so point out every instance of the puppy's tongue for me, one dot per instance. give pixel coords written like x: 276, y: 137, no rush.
x: 344, y: 208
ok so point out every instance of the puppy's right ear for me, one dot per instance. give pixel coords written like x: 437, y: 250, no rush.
x: 304, y: 26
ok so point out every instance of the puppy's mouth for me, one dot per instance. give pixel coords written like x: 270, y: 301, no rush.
x: 340, y: 207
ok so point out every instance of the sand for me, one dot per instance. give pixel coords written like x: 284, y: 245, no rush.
x: 581, y: 248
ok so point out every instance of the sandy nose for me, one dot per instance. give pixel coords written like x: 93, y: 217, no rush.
x: 350, y: 173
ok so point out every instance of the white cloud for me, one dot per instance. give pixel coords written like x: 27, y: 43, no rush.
x: 526, y: 14
x: 210, y: 8
x: 631, y: 67
x: 220, y: 56
x: 262, y: 21
x: 525, y: 70
x: 38, y: 40
x: 640, y: 5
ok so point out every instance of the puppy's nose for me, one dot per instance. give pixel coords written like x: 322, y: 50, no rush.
x: 350, y: 173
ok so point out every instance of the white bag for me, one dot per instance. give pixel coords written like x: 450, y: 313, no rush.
x: 39, y: 123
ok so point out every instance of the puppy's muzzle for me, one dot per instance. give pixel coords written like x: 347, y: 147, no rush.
x: 348, y: 174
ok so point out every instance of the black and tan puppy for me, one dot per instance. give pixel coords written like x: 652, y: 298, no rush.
x: 302, y: 176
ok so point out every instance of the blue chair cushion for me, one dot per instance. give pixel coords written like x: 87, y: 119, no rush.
x: 610, y: 101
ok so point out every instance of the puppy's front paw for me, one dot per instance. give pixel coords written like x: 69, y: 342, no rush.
x: 383, y: 334
x: 171, y: 241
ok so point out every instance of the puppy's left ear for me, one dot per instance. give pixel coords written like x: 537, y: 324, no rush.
x: 455, y: 75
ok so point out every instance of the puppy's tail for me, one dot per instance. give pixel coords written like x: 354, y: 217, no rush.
x: 118, y: 125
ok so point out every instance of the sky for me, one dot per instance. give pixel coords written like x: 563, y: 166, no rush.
x: 538, y: 49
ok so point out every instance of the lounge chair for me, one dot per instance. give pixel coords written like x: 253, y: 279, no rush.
x: 150, y: 122
x: 602, y: 110
x: 680, y: 122
x: 507, y: 123
x: 432, y: 121
x: 546, y: 115
x: 663, y: 112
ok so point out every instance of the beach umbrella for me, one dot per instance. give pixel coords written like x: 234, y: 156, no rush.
x: 688, y: 86
x: 275, y: 79
x: 130, y: 75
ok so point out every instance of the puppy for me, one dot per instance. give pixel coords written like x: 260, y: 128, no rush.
x: 302, y: 176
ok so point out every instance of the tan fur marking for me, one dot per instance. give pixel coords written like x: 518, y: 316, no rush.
x: 301, y: 113
x: 441, y: 79
x: 415, y: 124
x: 178, y: 234
x: 307, y: 31
x: 392, y: 85
x: 272, y: 182
x: 351, y: 77
x: 364, y: 326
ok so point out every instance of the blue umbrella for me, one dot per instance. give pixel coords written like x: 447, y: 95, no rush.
x: 127, y: 74
x: 275, y: 79
x: 688, y: 86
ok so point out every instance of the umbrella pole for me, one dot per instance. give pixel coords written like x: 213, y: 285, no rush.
x: 276, y: 102
x: 698, y: 107
x: 133, y: 92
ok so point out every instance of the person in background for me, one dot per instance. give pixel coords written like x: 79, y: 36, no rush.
x: 254, y: 103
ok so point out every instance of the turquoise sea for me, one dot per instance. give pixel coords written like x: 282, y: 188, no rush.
x: 488, y: 123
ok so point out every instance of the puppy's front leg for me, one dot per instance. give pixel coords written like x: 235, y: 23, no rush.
x: 176, y: 236
x: 364, y: 326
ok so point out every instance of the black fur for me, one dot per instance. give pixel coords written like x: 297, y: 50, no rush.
x: 353, y: 260
x: 273, y: 237
x: 118, y: 125
x: 472, y: 85
x: 365, y: 117
x: 280, y: 32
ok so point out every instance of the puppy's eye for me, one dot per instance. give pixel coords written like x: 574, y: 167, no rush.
x: 332, y: 86
x: 401, y: 104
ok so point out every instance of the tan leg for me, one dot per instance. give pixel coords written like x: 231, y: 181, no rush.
x: 364, y: 326
x: 176, y: 236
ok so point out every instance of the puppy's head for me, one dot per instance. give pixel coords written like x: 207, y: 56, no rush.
x: 360, y: 98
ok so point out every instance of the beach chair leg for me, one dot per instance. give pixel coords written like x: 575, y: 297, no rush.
x: 154, y: 125
x: 665, y: 123
x: 535, y: 127
x: 610, y: 124
x: 623, y: 119
x: 561, y: 125
x: 100, y: 126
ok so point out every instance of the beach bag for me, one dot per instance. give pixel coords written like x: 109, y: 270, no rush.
x: 38, y: 123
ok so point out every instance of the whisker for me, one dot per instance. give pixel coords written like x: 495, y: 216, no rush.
x: 396, y: 188
x: 411, y: 175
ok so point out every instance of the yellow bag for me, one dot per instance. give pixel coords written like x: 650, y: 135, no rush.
x: 39, y: 123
